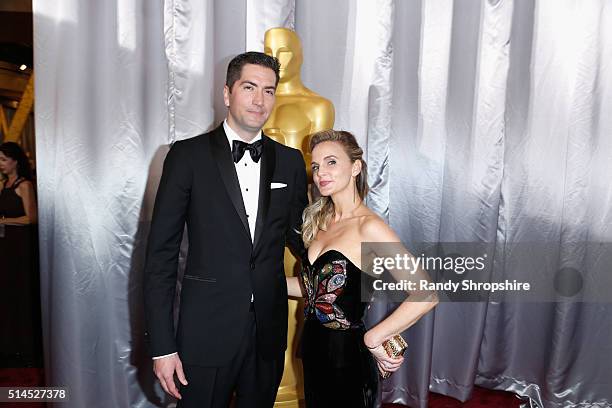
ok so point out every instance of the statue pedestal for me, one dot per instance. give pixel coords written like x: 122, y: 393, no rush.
x: 291, y: 390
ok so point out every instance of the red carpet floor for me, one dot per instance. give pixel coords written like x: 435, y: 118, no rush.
x: 21, y: 377
x: 482, y: 398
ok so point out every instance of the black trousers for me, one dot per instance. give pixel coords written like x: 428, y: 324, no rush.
x: 254, y: 380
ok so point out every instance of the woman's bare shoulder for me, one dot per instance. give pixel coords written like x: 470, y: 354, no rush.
x: 24, y: 187
x: 374, y: 229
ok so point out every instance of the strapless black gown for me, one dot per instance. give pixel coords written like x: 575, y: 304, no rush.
x: 339, y: 371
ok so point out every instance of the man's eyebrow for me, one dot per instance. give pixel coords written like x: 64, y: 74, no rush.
x: 246, y: 81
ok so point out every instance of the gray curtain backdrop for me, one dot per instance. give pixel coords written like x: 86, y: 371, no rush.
x: 483, y: 121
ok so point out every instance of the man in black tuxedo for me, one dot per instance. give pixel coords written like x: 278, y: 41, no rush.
x: 241, y: 195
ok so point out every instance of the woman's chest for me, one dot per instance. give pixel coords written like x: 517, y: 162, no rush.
x: 345, y: 239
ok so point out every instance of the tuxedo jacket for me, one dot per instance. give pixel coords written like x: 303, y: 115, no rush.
x: 199, y: 186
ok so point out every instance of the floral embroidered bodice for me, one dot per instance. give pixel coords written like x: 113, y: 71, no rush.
x: 333, y: 291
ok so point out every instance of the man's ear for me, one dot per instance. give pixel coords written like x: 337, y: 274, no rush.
x: 356, y: 168
x: 226, y: 93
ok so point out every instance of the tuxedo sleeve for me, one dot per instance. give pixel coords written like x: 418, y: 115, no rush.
x: 299, y: 201
x: 167, y: 225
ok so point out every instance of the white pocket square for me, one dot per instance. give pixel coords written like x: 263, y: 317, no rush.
x: 277, y: 185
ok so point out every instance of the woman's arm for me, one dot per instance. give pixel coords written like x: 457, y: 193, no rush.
x: 407, y: 314
x: 410, y: 311
x: 25, y: 190
x: 294, y: 288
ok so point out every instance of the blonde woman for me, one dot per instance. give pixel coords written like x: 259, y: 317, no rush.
x: 341, y: 358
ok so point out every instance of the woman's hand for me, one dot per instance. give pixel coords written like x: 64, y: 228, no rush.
x: 383, y: 361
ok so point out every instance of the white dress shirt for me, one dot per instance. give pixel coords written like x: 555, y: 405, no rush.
x: 248, y: 177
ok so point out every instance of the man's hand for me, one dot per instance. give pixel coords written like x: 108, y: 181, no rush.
x: 164, y: 369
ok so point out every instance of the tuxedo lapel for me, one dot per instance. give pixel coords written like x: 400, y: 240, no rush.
x: 222, y: 154
x: 268, y: 162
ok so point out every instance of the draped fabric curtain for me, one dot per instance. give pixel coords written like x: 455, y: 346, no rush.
x: 500, y: 136
x: 483, y: 121
x: 101, y: 122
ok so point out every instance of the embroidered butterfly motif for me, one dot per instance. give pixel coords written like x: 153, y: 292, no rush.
x: 323, y: 287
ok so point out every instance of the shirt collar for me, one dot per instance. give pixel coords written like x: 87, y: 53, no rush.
x: 231, y: 135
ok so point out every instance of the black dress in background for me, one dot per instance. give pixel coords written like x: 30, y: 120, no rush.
x: 20, y: 339
x: 339, y: 371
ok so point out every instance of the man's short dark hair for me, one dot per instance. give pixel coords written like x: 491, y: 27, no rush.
x: 234, y: 69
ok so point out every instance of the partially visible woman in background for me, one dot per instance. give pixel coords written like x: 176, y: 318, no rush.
x: 19, y: 279
x: 17, y: 201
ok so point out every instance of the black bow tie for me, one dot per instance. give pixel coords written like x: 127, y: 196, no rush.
x: 239, y: 147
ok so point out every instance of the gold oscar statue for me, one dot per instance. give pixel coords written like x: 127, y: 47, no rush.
x: 297, y: 114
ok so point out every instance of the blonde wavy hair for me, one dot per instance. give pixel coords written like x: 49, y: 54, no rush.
x: 318, y: 214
